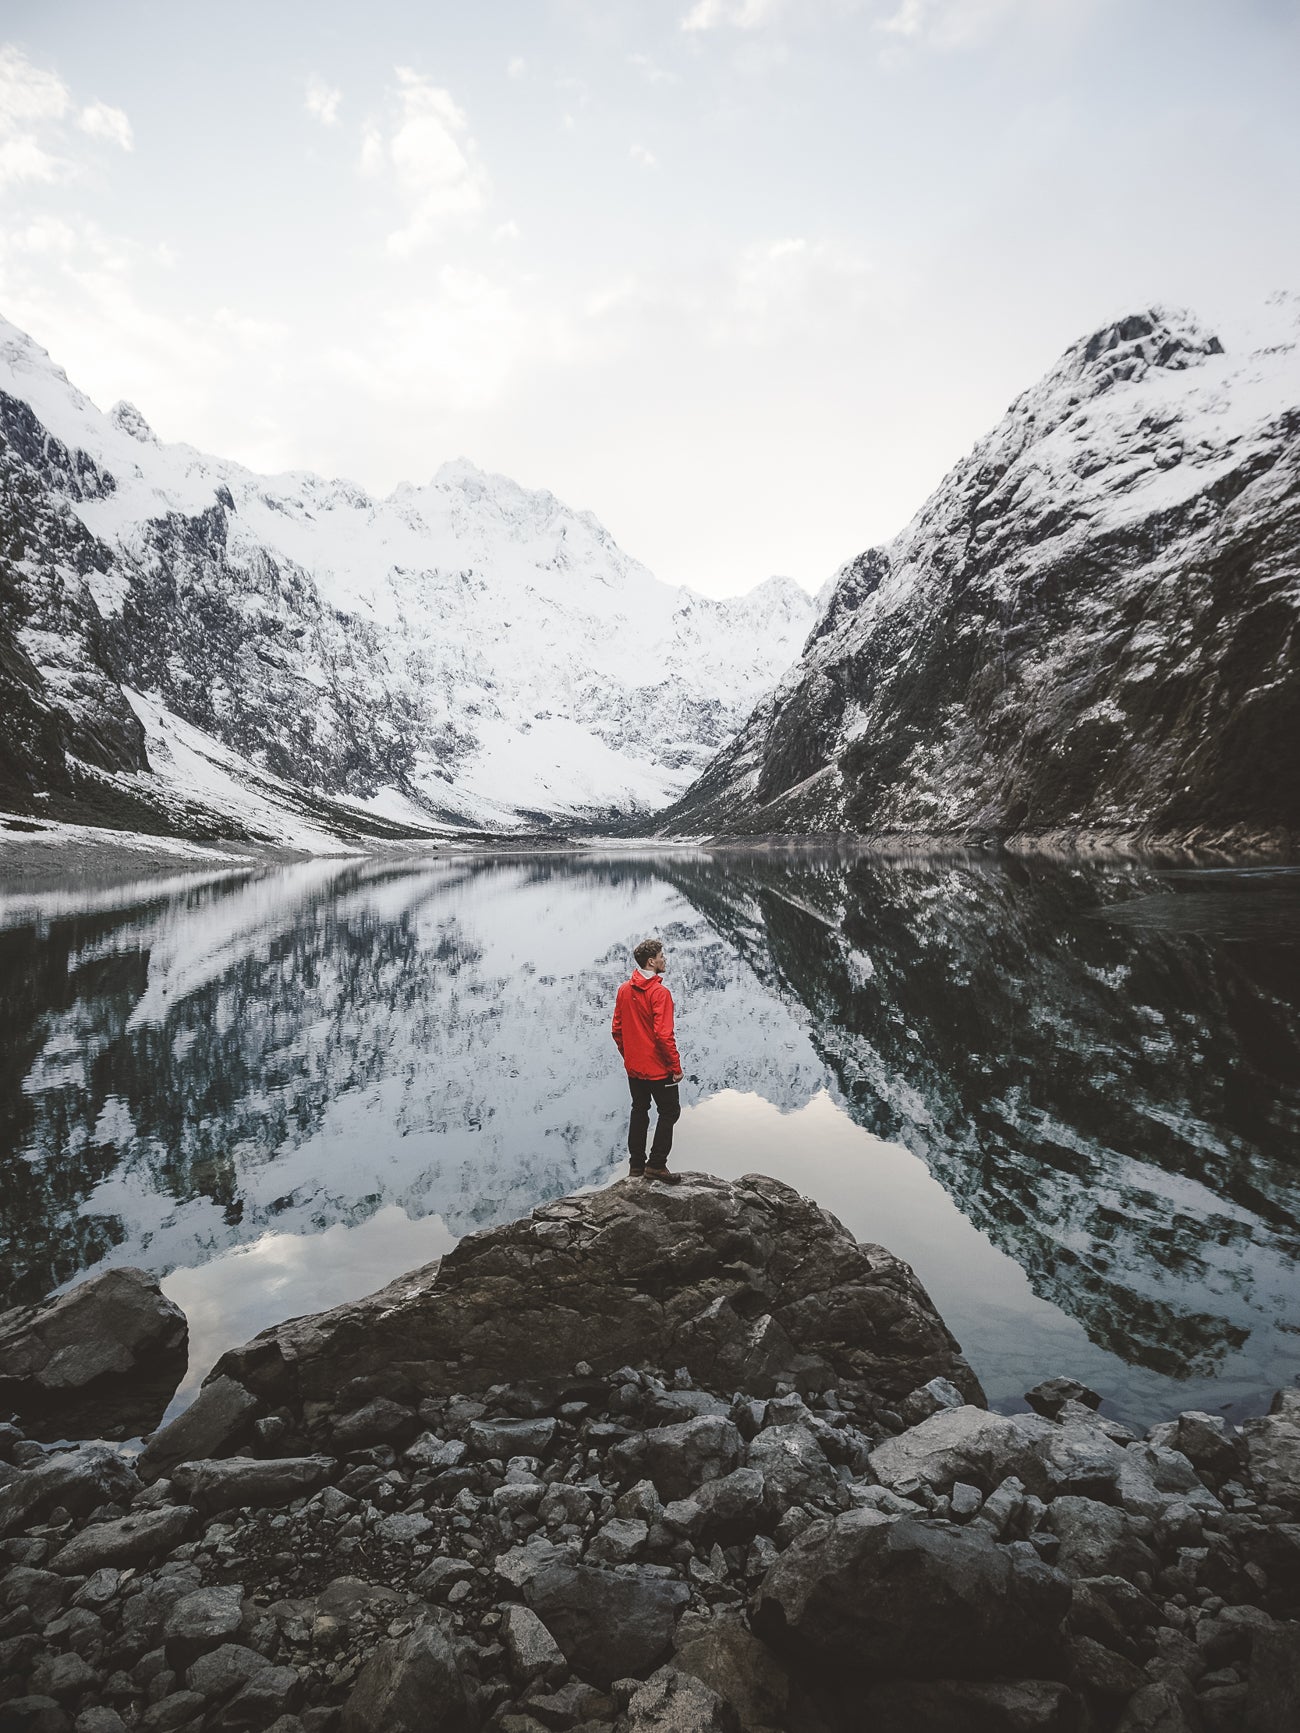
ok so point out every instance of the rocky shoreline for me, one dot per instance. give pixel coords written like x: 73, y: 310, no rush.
x: 648, y: 1461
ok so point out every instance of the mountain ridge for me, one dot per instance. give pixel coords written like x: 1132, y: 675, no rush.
x: 464, y: 653
x: 1087, y: 633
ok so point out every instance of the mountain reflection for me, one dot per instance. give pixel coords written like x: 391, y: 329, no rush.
x: 1099, y: 1064
x: 1111, y: 1094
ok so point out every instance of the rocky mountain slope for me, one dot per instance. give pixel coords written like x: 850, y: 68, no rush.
x: 1091, y: 625
x: 189, y: 646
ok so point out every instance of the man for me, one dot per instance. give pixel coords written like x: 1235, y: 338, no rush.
x: 643, y: 1034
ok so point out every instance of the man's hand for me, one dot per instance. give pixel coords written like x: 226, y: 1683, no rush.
x: 677, y: 1078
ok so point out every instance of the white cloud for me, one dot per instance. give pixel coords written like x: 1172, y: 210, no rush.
x: 30, y: 99
x: 44, y: 235
x: 790, y: 284
x: 944, y: 23
x: 640, y: 154
x: 99, y: 120
x: 432, y: 161
x: 651, y: 69
x: 323, y: 101
x: 738, y: 14
x: 517, y: 67
x: 27, y: 93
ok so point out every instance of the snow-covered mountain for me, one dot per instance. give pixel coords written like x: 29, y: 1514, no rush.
x: 1091, y: 626
x: 187, y: 644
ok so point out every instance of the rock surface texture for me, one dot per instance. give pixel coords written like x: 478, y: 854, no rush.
x: 1090, y: 627
x: 633, y: 1547
x: 113, y: 1347
x: 189, y: 646
x: 741, y: 1283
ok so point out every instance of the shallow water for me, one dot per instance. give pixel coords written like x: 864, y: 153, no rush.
x: 1068, y: 1095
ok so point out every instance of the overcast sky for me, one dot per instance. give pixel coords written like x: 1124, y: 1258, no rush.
x: 744, y: 277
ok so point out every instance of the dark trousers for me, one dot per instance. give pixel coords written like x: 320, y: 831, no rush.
x: 663, y: 1092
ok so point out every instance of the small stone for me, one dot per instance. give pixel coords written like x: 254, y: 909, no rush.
x: 1052, y: 1394
x: 531, y: 1651
x: 200, y: 1621
x: 965, y: 1500
x: 63, y: 1676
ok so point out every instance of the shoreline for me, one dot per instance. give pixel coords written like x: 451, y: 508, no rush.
x: 647, y: 1459
x: 36, y: 855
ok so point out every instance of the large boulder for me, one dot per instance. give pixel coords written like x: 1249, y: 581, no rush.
x: 967, y: 1444
x: 609, y: 1624
x: 217, y: 1418
x: 135, y: 1539
x: 79, y: 1480
x: 248, y: 1480
x: 680, y: 1458
x: 102, y: 1360
x: 1273, y: 1443
x: 866, y: 1595
x: 742, y: 1283
x: 412, y: 1684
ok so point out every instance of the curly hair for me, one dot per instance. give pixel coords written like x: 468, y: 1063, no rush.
x: 646, y: 949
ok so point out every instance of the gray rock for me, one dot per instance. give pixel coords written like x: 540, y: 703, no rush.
x: 346, y: 1596
x: 63, y: 1676
x: 266, y: 1696
x: 412, y: 1684
x: 968, y: 1444
x: 1098, y: 1540
x: 971, y: 1706
x: 757, y: 1283
x: 506, y: 1438
x: 730, y: 1507
x: 1273, y: 1444
x: 404, y: 1528
x: 531, y: 1651
x: 246, y: 1480
x: 873, y: 1595
x: 966, y: 1500
x: 1102, y: 1672
x: 381, y: 1421
x: 106, y: 1341
x: 794, y: 1470
x: 1160, y: 1707
x: 608, y: 1624
x: 675, y: 1702
x: 135, y: 1539
x: 1273, y: 1686
x: 744, y: 1673
x: 430, y: 1451
x: 670, y: 1407
x: 79, y: 1480
x: 200, y: 1621
x: 41, y: 1593
x: 1209, y: 1442
x: 224, y: 1669
x: 521, y: 1564
x: 929, y: 1399
x: 679, y: 1458
x: 621, y: 1540
x: 99, y: 1719
x: 1051, y: 1396
x: 213, y: 1423
x: 34, y: 1715
x: 177, y: 1710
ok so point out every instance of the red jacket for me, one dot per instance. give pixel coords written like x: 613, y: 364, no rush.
x: 643, y: 1027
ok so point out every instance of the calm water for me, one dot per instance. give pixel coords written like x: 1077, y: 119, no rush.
x: 1069, y: 1096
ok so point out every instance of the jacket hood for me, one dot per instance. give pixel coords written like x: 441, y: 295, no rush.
x: 642, y: 982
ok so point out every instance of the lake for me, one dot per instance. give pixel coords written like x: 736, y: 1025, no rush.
x: 1068, y: 1095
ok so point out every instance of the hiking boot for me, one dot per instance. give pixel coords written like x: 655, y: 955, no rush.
x: 636, y: 1170
x: 662, y: 1175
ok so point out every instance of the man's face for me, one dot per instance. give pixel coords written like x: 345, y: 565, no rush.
x: 658, y: 963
